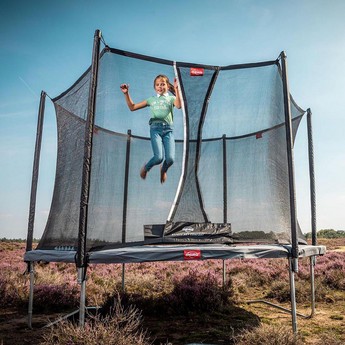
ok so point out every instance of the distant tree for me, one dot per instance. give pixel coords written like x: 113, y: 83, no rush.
x: 327, y: 233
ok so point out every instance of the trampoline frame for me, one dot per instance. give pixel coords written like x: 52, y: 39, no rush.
x: 151, y: 253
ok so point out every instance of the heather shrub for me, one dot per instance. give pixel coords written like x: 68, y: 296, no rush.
x: 328, y: 338
x: 55, y: 273
x: 101, y: 279
x: 280, y: 291
x: 120, y: 327
x: 13, y: 292
x: 142, y: 284
x: 331, y: 268
x: 259, y: 272
x: 197, y: 292
x: 240, y: 285
x: 13, y: 284
x: 8, y: 296
x: 55, y: 297
x: 194, y: 292
x: 335, y: 279
x: 268, y: 335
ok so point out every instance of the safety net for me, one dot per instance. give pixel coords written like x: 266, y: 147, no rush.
x: 229, y: 182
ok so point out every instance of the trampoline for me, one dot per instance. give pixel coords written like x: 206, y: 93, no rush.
x: 230, y: 193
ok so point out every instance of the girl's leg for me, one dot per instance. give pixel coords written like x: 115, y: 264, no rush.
x: 157, y: 148
x: 169, y: 149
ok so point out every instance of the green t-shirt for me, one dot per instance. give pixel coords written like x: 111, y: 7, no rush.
x: 161, y: 108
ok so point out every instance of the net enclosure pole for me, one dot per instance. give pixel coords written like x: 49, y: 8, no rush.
x: 32, y: 209
x: 225, y: 182
x: 35, y: 171
x: 82, y: 302
x: 86, y: 175
x: 125, y: 201
x: 311, y: 177
x: 312, y: 205
x: 125, y: 187
x: 290, y: 158
x: 31, y: 293
x: 293, y: 295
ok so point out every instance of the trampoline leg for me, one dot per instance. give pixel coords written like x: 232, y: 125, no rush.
x: 31, y: 293
x: 82, y: 302
x: 224, y: 273
x: 312, y: 284
x: 292, y: 266
x: 82, y: 282
x: 123, y: 277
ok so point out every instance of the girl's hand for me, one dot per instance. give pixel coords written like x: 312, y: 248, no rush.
x: 124, y: 88
x: 177, y: 102
x: 175, y: 84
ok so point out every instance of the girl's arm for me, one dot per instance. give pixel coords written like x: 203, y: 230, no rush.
x: 177, y: 102
x: 131, y: 105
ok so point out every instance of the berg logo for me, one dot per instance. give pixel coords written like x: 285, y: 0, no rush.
x: 196, y: 72
x: 192, y: 254
x: 187, y: 229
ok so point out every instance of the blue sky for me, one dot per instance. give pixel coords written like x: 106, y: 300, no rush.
x: 47, y: 45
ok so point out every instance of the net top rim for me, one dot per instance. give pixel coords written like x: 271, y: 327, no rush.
x: 108, y: 49
x: 188, y: 64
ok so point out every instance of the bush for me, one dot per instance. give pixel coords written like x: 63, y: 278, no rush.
x: 328, y: 338
x: 268, y: 335
x: 281, y: 291
x: 194, y: 292
x: 55, y: 297
x: 12, y: 292
x: 335, y: 279
x: 120, y: 327
x: 331, y: 269
x: 327, y: 233
x: 197, y: 292
x: 8, y: 298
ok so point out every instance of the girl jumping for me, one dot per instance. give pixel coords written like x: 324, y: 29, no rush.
x: 161, y: 123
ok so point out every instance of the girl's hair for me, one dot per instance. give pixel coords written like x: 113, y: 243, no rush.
x: 170, y: 86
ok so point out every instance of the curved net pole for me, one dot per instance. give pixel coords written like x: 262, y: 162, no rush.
x: 35, y: 171
x: 86, y: 177
x: 191, y: 157
x: 185, y: 149
x: 199, y: 141
x: 312, y: 178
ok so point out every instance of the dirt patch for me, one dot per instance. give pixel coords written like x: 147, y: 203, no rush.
x: 210, y: 328
x: 213, y: 328
x: 14, y: 328
x: 339, y: 249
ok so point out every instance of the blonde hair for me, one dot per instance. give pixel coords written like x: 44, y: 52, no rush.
x: 166, y: 79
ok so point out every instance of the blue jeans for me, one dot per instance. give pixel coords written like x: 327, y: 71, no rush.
x: 161, y: 136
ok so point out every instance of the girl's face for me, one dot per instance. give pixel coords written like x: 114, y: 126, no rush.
x: 161, y: 86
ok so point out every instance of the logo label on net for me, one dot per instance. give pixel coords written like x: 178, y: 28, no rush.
x: 196, y: 72
x: 194, y: 254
